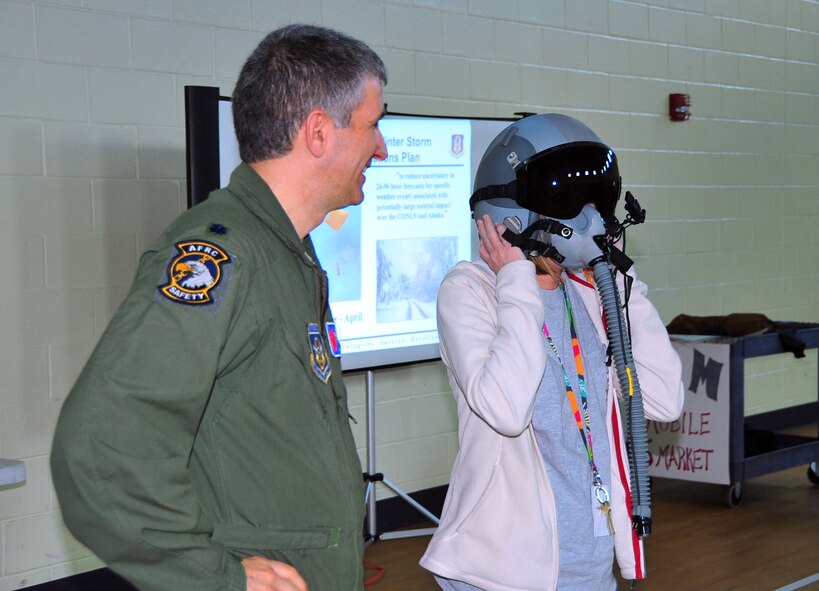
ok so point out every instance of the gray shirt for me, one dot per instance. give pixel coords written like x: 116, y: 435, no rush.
x: 586, y: 559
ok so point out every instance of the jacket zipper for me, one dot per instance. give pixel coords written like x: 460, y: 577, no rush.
x: 323, y: 304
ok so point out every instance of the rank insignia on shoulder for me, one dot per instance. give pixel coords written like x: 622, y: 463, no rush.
x: 194, y: 272
x: 319, y: 360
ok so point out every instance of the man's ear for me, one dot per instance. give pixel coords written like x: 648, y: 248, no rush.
x: 317, y: 129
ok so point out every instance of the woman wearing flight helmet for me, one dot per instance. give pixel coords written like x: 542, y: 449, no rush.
x: 538, y: 496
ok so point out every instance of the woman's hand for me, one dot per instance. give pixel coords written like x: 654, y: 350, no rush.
x: 494, y: 250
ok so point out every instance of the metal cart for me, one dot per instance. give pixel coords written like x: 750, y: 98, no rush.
x: 771, y: 449
x: 714, y: 441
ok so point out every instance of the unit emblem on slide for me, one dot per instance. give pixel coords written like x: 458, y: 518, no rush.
x: 457, y: 146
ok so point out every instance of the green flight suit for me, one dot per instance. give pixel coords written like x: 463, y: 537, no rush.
x: 202, y: 429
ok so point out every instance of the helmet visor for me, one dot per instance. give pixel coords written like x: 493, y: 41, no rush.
x: 559, y: 181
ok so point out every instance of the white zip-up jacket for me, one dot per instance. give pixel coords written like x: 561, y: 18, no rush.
x: 498, y: 528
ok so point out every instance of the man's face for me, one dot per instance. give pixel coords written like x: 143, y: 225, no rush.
x: 354, y: 148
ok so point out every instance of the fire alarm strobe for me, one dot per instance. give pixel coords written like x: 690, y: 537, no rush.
x: 679, y: 107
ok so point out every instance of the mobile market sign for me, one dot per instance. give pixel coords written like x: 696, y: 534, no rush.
x: 696, y: 446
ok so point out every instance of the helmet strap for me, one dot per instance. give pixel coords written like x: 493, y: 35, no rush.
x: 508, y: 191
x: 527, y: 244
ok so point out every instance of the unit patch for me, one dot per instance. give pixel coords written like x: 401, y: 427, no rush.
x: 319, y: 360
x: 194, y: 272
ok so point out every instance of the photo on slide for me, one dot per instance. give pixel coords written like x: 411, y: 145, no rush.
x: 409, y: 271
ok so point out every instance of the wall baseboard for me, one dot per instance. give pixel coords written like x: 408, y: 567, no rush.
x: 101, y: 579
x: 393, y: 513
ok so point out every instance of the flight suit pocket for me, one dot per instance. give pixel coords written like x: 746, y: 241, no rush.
x: 249, y: 540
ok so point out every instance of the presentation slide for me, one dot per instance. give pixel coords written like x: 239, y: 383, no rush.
x: 386, y: 257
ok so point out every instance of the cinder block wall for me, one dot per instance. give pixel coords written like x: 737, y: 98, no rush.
x: 92, y: 168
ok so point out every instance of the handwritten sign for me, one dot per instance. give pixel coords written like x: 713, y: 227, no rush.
x: 696, y: 446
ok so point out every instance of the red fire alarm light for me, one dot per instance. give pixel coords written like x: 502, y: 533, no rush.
x: 679, y: 107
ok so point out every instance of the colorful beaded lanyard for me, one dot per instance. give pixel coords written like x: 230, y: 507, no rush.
x: 583, y: 420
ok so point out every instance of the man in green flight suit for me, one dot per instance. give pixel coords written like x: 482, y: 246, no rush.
x: 206, y: 444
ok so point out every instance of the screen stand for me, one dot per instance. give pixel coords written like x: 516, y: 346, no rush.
x: 372, y: 477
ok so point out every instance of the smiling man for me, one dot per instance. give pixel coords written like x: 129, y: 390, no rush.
x: 206, y: 444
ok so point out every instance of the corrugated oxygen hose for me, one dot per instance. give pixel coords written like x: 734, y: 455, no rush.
x: 637, y: 435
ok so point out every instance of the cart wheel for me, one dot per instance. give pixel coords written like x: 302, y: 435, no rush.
x: 735, y: 495
x: 813, y: 476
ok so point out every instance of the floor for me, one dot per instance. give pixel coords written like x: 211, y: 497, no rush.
x: 770, y: 542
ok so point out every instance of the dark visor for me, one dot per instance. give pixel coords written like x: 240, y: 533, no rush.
x: 559, y: 181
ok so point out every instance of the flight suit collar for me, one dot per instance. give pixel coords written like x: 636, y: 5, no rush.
x: 257, y: 195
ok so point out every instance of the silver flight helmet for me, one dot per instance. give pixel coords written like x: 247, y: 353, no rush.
x: 538, y: 176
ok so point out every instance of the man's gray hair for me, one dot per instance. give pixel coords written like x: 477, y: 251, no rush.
x: 293, y: 71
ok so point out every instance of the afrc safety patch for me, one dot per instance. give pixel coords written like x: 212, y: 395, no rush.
x: 194, y: 272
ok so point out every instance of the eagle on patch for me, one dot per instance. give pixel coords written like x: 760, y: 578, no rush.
x: 194, y: 272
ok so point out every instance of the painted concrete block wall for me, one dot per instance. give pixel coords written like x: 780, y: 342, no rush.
x: 92, y: 169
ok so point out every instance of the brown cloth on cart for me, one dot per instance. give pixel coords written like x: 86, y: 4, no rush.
x: 737, y: 325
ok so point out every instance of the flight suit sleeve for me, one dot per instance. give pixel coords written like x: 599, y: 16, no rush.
x: 124, y: 438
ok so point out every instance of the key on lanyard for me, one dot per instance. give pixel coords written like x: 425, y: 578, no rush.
x: 603, y: 498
